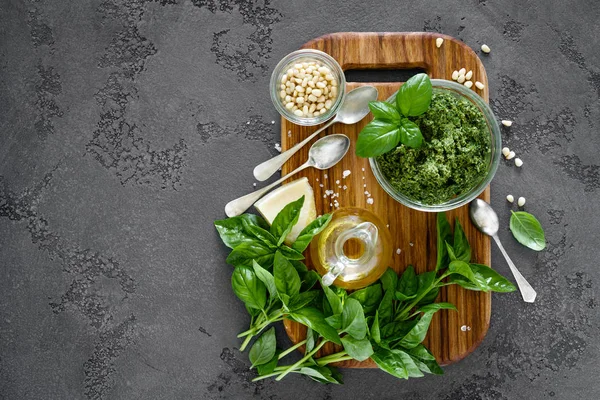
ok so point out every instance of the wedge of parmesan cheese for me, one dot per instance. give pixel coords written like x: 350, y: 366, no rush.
x: 270, y: 205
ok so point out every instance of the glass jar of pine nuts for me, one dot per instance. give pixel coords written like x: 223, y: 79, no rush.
x: 307, y: 87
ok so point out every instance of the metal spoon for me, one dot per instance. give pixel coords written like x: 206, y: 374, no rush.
x: 354, y: 108
x: 324, y: 154
x: 486, y: 220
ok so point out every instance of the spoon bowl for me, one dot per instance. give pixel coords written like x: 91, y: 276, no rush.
x: 323, y: 154
x: 328, y: 151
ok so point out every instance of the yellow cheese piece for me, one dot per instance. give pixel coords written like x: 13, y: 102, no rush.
x: 270, y: 205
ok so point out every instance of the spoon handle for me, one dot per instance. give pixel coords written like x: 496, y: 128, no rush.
x: 265, y: 170
x: 526, y: 290
x: 241, y: 204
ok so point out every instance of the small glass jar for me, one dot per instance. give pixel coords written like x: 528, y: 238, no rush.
x: 301, y: 56
x: 353, y: 251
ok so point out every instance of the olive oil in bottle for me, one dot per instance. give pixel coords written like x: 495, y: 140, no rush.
x: 354, y: 250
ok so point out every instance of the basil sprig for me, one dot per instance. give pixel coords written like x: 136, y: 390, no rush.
x: 391, y: 125
x: 386, y: 321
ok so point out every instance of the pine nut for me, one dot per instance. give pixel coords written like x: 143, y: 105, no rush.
x: 510, y: 198
x: 506, y: 151
x: 469, y: 75
x: 468, y: 84
x: 479, y: 85
x: 455, y: 75
x: 518, y: 162
x: 485, y: 48
x: 506, y: 122
x: 521, y: 201
x: 438, y: 42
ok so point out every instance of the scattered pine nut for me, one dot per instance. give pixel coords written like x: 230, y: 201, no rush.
x: 485, y: 48
x: 506, y: 151
x: 479, y: 85
x: 469, y: 75
x: 521, y: 201
x: 461, y: 78
x: 455, y: 75
x: 506, y: 122
x: 462, y: 71
x: 510, y: 155
x: 438, y: 42
x: 510, y: 198
x: 469, y: 84
x: 518, y: 162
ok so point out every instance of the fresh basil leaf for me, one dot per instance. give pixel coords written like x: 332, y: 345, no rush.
x: 376, y: 138
x: 424, y: 360
x: 360, y: 350
x: 430, y: 296
x: 335, y: 321
x: 486, y: 279
x: 386, y: 307
x: 369, y: 298
x: 408, y: 284
x: 302, y: 299
x: 410, y: 134
x: 322, y: 374
x: 299, y: 266
x: 253, y: 312
x: 414, y: 96
x: 384, y: 111
x: 261, y: 235
x: 461, y: 247
x: 314, y: 319
x: 287, y: 280
x: 375, y: 330
x: 269, y: 367
x: 232, y: 230
x: 417, y: 334
x: 397, y: 330
x: 436, y: 307
x: 311, y: 340
x: 244, y: 253
x: 310, y: 231
x: 527, y: 230
x: 308, y: 280
x: 444, y: 235
x: 450, y: 251
x: 248, y: 288
x: 389, y: 280
x: 335, y: 303
x: 396, y: 363
x: 266, y: 278
x: 286, y: 219
x: 462, y: 268
x: 425, y: 281
x: 263, y: 349
x: 290, y: 253
x: 402, y: 297
x: 353, y: 319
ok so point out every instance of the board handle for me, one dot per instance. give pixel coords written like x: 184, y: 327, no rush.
x: 379, y: 50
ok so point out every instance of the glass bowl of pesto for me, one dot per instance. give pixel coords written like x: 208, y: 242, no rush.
x: 307, y: 87
x: 459, y: 156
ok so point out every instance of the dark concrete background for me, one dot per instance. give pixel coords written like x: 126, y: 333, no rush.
x: 125, y: 126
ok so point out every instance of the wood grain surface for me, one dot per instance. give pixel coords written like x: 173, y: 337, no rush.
x: 452, y: 335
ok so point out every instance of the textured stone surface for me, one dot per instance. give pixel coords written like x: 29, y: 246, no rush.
x: 125, y: 126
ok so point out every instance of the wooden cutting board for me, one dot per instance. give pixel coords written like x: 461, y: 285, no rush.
x: 452, y: 335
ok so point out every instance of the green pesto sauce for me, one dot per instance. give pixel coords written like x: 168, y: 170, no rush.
x: 452, y: 159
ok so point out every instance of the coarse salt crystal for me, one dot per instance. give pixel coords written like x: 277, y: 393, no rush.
x: 337, y: 182
x: 272, y: 122
x: 345, y: 187
x: 325, y: 176
x: 363, y: 169
x: 346, y: 173
x: 254, y: 184
x: 370, y: 200
x: 278, y: 147
x: 320, y: 185
x: 411, y: 244
x: 398, y: 251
